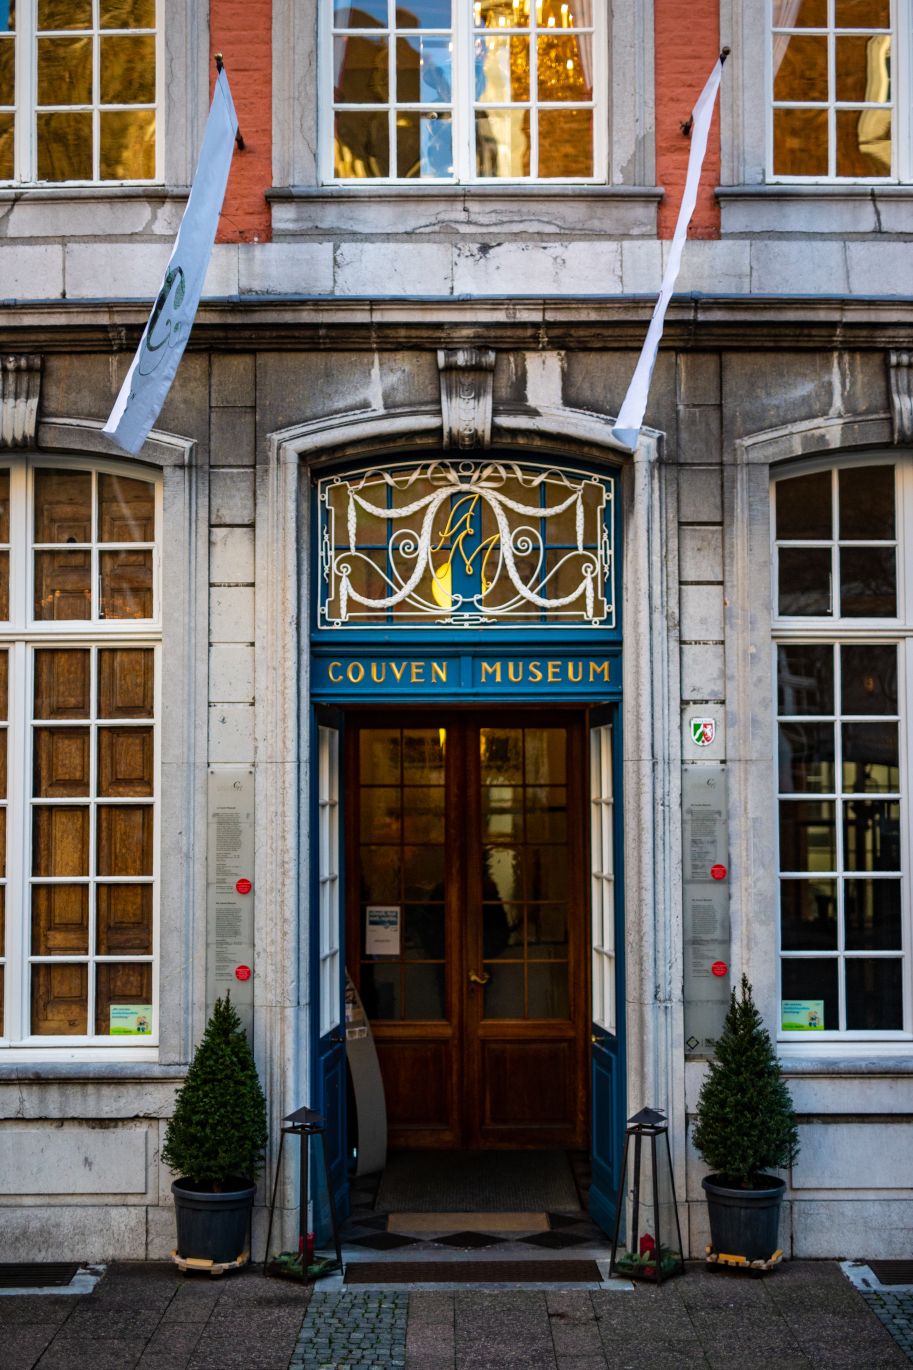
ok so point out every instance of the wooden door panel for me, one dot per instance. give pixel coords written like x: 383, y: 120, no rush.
x: 419, y: 1083
x: 528, y: 1087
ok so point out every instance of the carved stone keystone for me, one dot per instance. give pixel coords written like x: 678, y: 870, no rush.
x: 900, y: 372
x: 20, y: 385
x: 467, y: 378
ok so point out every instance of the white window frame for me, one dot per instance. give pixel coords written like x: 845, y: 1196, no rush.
x: 463, y: 107
x: 835, y: 630
x: 25, y: 169
x: 21, y: 636
x: 901, y: 103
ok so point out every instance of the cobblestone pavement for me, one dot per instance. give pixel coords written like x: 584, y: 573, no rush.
x: 895, y: 1309
x: 361, y: 1330
x: 805, y: 1316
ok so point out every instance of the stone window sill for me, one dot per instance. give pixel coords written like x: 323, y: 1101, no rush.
x: 616, y: 211
x: 99, y: 1071
x: 749, y: 210
x: 60, y: 211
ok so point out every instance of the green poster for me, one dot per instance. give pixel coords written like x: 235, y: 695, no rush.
x: 802, y: 1015
x: 131, y: 1020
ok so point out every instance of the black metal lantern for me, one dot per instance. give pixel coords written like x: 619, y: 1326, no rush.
x: 304, y: 1264
x: 646, y: 1216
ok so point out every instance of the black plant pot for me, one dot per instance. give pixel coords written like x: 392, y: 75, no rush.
x: 213, y: 1227
x: 744, y: 1222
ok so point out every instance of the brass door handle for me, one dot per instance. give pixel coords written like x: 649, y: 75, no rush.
x: 482, y: 979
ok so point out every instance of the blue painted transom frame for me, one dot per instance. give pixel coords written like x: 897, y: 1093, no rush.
x: 491, y: 578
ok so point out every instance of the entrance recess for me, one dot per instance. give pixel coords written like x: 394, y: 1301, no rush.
x: 466, y: 880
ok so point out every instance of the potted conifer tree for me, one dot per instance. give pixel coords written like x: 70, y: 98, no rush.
x: 215, y: 1142
x: 745, y: 1127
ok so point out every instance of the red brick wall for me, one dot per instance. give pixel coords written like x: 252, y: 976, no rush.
x: 687, y: 38
x: 242, y: 31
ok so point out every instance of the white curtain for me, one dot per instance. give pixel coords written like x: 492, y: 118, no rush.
x: 785, y: 13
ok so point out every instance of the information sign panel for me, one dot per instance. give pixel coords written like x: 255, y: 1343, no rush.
x: 229, y: 889
x: 706, y: 905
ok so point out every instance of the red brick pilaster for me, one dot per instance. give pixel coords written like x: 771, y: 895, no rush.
x: 687, y: 38
x: 242, y: 31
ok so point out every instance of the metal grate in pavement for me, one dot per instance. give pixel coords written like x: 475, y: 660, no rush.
x: 892, y: 1272
x: 36, y: 1274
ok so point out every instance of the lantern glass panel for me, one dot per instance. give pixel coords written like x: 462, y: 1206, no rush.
x: 648, y: 1243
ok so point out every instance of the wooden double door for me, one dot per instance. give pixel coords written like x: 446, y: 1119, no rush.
x: 466, y: 878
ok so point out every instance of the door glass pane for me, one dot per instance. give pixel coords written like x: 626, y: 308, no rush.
x: 547, y: 875
x: 379, y: 756
x: 501, y: 756
x: 502, y: 813
x: 423, y: 873
x: 502, y: 931
x: 423, y: 932
x: 424, y: 992
x: 504, y: 992
x: 547, y: 989
x: 423, y: 813
x: 546, y: 931
x: 502, y: 874
x: 381, y: 874
x: 380, y: 814
x: 545, y: 756
x: 381, y: 990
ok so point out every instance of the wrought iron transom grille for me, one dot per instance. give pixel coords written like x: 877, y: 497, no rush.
x: 461, y: 544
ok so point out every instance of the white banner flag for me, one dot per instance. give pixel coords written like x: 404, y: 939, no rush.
x: 631, y: 415
x: 162, y: 345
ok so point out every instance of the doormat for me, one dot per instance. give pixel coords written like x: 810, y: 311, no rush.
x: 467, y: 1222
x: 892, y: 1272
x: 477, y: 1182
x: 473, y: 1272
x: 36, y: 1275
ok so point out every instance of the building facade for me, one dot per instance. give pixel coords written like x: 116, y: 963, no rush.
x: 384, y: 656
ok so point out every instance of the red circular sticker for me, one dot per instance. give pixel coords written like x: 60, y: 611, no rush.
x: 718, y: 872
x: 719, y: 968
x: 242, y: 972
x: 243, y: 886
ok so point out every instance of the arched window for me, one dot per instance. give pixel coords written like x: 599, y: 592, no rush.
x: 80, y: 630
x: 843, y: 622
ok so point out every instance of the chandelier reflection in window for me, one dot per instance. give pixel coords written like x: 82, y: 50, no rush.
x: 463, y: 544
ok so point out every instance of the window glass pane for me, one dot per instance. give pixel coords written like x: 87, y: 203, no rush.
x: 805, y: 679
x: 60, y: 840
x: 867, y: 503
x: 7, y: 126
x: 803, y: 507
x: 423, y: 70
x: 502, y: 142
x: 127, y: 983
x: 869, y: 678
x: 874, y: 994
x: 362, y: 145
x: 366, y: 14
x: 863, y: 142
x: 123, y: 919
x: 797, y: 14
x: 4, y: 506
x: 868, y: 582
x: 800, y: 142
x: 4, y: 684
x: 873, y: 912
x: 565, y: 142
x: 125, y: 584
x: 361, y: 67
x: 124, y: 838
x: 424, y: 144
x: 61, y: 762
x: 64, y: 14
x: 64, y: 71
x: 424, y: 986
x: 424, y: 14
x: 814, y: 978
x: 547, y: 990
x: 127, y: 149
x: 808, y: 915
x: 60, y: 1000
x: 871, y: 835
x: 60, y: 920
x: 863, y: 14
x: 806, y: 757
x: 125, y: 682
x: 501, y: 69
x: 125, y: 760
x: 808, y: 835
x: 7, y: 69
x: 804, y: 580
x: 126, y: 14
x: 65, y: 146
x: 62, y: 683
x: 4, y: 587
x: 863, y: 68
x: 870, y: 757
x: 63, y: 506
x: 493, y: 14
x: 802, y: 72
x: 63, y: 585
x: 127, y: 69
x: 565, y: 65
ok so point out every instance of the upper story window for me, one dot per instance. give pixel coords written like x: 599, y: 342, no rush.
x: 843, y: 601
x: 78, y: 90
x: 443, y: 544
x: 79, y: 681
x: 840, y: 90
x: 455, y: 91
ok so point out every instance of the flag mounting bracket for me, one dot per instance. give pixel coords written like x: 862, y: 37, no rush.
x: 220, y: 65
